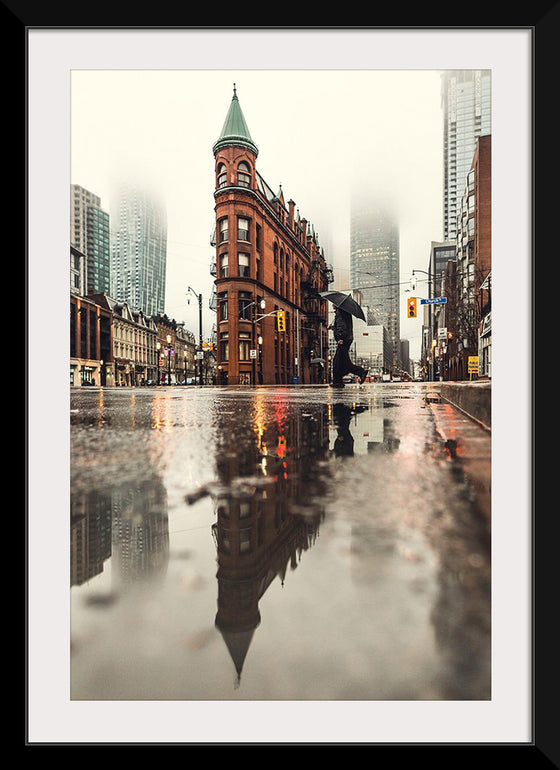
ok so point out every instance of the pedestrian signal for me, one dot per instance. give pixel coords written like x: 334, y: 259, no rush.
x: 412, y: 307
x: 281, y: 321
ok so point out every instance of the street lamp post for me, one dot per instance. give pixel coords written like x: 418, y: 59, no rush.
x: 262, y: 305
x: 168, y: 359
x: 158, y: 348
x: 260, y: 341
x: 199, y: 298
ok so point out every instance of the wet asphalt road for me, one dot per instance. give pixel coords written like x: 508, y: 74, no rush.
x: 269, y: 544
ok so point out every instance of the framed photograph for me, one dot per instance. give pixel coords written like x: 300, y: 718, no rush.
x: 326, y: 110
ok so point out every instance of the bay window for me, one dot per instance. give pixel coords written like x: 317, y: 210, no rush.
x: 224, y: 270
x: 242, y: 229
x: 243, y: 265
x: 244, y: 346
x: 223, y: 306
x: 223, y: 229
x: 224, y: 346
x: 245, y: 305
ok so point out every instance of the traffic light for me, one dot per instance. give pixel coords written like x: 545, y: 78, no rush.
x: 281, y: 321
x: 411, y: 303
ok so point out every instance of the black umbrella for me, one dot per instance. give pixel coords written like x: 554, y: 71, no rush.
x: 345, y: 302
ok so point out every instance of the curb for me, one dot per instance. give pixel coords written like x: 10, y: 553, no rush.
x: 472, y: 398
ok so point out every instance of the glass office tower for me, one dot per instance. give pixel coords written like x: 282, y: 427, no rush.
x: 466, y: 102
x: 89, y: 234
x: 138, y: 250
x: 374, y: 266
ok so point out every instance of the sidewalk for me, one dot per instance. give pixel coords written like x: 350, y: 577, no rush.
x: 467, y: 437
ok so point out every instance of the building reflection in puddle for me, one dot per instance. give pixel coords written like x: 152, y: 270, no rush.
x: 127, y: 524
x: 269, y: 504
x: 273, y: 484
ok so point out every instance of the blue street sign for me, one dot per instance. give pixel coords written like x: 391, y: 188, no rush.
x: 434, y: 301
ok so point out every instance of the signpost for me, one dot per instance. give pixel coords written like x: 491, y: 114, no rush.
x: 434, y: 301
x: 472, y: 366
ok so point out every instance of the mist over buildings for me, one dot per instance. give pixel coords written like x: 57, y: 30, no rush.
x: 326, y: 137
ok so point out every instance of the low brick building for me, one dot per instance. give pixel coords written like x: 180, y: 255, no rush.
x: 91, y: 343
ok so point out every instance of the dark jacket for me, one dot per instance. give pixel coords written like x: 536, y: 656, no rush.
x: 342, y: 326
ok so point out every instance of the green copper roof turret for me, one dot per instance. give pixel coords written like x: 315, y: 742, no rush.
x: 235, y: 129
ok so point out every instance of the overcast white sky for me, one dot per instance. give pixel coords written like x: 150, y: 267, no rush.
x: 319, y: 134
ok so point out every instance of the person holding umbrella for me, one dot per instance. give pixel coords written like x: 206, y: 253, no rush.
x: 344, y: 336
x: 345, y: 307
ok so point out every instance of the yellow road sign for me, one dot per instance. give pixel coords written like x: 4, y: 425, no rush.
x: 473, y: 364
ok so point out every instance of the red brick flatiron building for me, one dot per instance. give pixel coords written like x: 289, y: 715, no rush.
x: 269, y: 268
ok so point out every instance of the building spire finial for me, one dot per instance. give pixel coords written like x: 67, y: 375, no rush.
x: 235, y: 131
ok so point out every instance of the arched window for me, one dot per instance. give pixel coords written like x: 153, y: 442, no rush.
x: 243, y: 174
x: 222, y: 175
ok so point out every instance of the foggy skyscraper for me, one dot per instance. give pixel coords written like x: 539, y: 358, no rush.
x: 374, y: 265
x: 466, y: 102
x: 138, y: 250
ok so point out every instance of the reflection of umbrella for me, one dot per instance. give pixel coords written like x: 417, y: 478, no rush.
x: 345, y: 302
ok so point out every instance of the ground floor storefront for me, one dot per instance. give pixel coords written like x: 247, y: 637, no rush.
x: 88, y: 372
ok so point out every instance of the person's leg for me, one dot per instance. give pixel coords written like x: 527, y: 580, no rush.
x: 338, y: 367
x: 359, y: 371
x: 345, y: 362
x: 352, y: 368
